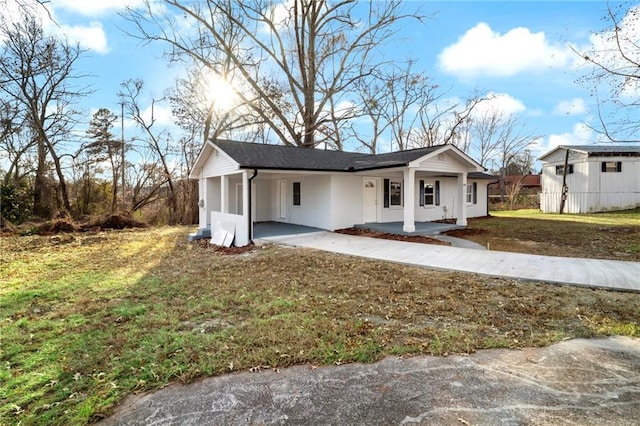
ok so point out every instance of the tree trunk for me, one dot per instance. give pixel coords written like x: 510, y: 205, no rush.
x: 40, y: 204
x: 64, y: 193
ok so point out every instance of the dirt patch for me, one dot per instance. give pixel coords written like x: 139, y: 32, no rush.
x: 386, y: 236
x: 120, y: 220
x: 206, y: 245
x: 465, y: 232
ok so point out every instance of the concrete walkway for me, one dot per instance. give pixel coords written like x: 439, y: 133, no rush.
x: 584, y: 272
x: 576, y: 382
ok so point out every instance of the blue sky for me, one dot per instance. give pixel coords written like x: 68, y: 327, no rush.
x: 516, y: 50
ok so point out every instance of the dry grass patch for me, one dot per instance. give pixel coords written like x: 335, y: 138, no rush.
x: 90, y: 319
x: 614, y: 235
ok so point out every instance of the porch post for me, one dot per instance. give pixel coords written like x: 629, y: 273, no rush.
x: 409, y: 200
x: 462, y: 199
x: 224, y: 194
x: 245, y: 193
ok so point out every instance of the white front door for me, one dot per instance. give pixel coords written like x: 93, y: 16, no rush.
x: 370, y: 200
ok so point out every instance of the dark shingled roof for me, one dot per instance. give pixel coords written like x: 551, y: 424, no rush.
x: 596, y: 150
x: 263, y: 156
x: 629, y: 150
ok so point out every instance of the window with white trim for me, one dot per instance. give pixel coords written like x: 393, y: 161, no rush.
x: 472, y: 193
x: 392, y: 193
x: 429, y: 193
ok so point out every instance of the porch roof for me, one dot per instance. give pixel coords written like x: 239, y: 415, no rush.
x: 280, y: 157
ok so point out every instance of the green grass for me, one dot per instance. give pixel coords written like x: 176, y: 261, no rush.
x: 617, y: 218
x: 87, y: 322
x: 612, y: 235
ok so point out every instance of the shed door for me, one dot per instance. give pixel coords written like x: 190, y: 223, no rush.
x: 370, y: 200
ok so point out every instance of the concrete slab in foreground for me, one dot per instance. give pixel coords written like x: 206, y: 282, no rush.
x: 587, y: 272
x: 577, y: 382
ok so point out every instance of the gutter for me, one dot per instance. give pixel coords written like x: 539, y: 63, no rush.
x: 255, y: 173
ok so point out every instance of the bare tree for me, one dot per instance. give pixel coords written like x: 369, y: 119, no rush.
x: 500, y: 139
x: 158, y: 143
x: 38, y: 77
x: 318, y: 49
x: 442, y: 122
x: 614, y: 60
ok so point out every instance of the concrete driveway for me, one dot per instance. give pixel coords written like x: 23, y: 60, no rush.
x: 576, y: 382
x: 566, y: 270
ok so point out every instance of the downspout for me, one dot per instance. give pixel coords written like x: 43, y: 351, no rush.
x: 255, y: 173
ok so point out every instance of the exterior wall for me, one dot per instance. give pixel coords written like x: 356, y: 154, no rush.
x: 346, y: 201
x: 443, y: 162
x: 591, y: 190
x: 448, y: 202
x: 234, y: 208
x: 315, y: 201
x: 218, y: 164
x: 263, y: 201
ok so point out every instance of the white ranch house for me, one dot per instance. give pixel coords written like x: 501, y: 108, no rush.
x: 599, y: 178
x: 243, y: 183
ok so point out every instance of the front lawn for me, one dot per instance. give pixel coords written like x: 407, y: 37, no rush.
x: 86, y: 319
x: 614, y: 235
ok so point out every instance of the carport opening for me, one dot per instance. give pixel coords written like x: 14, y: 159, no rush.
x: 276, y: 229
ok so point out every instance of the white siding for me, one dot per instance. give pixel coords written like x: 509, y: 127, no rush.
x: 445, y: 163
x: 591, y: 190
x: 448, y: 202
x: 315, y: 201
x: 347, y: 200
x: 263, y: 201
x: 218, y: 164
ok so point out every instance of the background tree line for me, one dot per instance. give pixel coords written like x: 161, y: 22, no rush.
x: 307, y: 73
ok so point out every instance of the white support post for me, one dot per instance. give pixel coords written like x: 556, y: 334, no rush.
x: 245, y: 195
x: 462, y: 200
x: 224, y: 194
x: 409, y: 200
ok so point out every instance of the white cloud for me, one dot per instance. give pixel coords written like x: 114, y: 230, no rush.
x: 575, y: 106
x: 580, y: 135
x: 484, y: 52
x: 499, y: 103
x: 95, y: 7
x: 89, y: 37
x: 160, y: 113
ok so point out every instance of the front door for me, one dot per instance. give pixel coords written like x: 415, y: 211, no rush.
x: 370, y: 200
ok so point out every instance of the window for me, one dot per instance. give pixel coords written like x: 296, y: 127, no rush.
x: 472, y: 193
x: 429, y: 193
x: 560, y: 170
x: 296, y: 193
x: 611, y: 166
x: 392, y: 193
